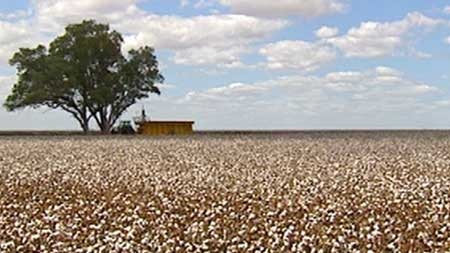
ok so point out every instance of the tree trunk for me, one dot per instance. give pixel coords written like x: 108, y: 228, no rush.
x: 105, y: 128
x: 81, y: 117
x: 104, y: 120
x: 84, y: 123
x: 106, y: 117
x: 85, y: 127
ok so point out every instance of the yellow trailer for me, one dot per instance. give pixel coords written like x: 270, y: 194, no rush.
x: 158, y: 128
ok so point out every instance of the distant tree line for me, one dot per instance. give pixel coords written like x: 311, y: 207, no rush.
x: 84, y: 73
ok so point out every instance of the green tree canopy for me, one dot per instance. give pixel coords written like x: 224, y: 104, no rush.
x: 85, y: 74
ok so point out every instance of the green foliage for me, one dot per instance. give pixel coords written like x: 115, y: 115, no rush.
x: 85, y: 74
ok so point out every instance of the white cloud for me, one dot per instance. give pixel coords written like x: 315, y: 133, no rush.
x: 345, y: 76
x: 224, y: 57
x: 200, y: 40
x: 376, y: 98
x: 173, y: 32
x: 283, y: 8
x: 234, y: 91
x: 184, y: 3
x: 166, y: 86
x: 447, y: 9
x: 327, y: 32
x: 19, y: 14
x: 47, y: 18
x: 378, y: 89
x: 419, y: 54
x: 387, y: 71
x: 447, y: 40
x: 14, y: 35
x: 53, y: 15
x: 423, y: 88
x: 6, y: 83
x: 374, y: 39
x: 13, y: 32
x: 380, y: 97
x: 298, y: 55
x: 227, y: 38
x: 204, y: 4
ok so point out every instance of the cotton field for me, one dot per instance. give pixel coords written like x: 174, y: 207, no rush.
x: 302, y: 192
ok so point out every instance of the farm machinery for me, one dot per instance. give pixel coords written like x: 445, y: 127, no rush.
x: 124, y: 128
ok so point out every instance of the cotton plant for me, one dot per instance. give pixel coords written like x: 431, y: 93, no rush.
x: 289, y: 193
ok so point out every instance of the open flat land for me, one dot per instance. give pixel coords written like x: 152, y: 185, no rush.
x: 284, y: 192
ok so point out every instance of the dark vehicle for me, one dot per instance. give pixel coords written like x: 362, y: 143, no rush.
x: 124, y: 128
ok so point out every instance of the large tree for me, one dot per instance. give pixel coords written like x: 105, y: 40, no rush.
x: 85, y: 74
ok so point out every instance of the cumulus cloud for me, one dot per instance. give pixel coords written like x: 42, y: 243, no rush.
x: 447, y: 40
x: 224, y: 57
x: 283, y: 8
x: 383, y: 86
x: 386, y: 71
x: 419, y: 54
x: 166, y: 86
x: 370, y: 98
x: 6, y: 83
x: 47, y: 18
x: 228, y: 36
x: 184, y: 3
x: 13, y: 32
x: 53, y: 15
x: 226, y: 39
x: 447, y: 9
x: 234, y: 91
x: 15, y: 15
x: 297, y: 55
x: 14, y: 35
x: 374, y: 39
x: 327, y: 32
x: 180, y: 33
x: 204, y: 4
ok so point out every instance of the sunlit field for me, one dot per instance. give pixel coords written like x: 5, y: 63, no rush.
x: 291, y: 192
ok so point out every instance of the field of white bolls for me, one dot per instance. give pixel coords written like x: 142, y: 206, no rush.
x: 316, y: 192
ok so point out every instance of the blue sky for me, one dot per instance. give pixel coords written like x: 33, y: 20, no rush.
x: 243, y: 64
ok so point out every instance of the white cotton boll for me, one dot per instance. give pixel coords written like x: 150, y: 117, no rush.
x: 284, y: 193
